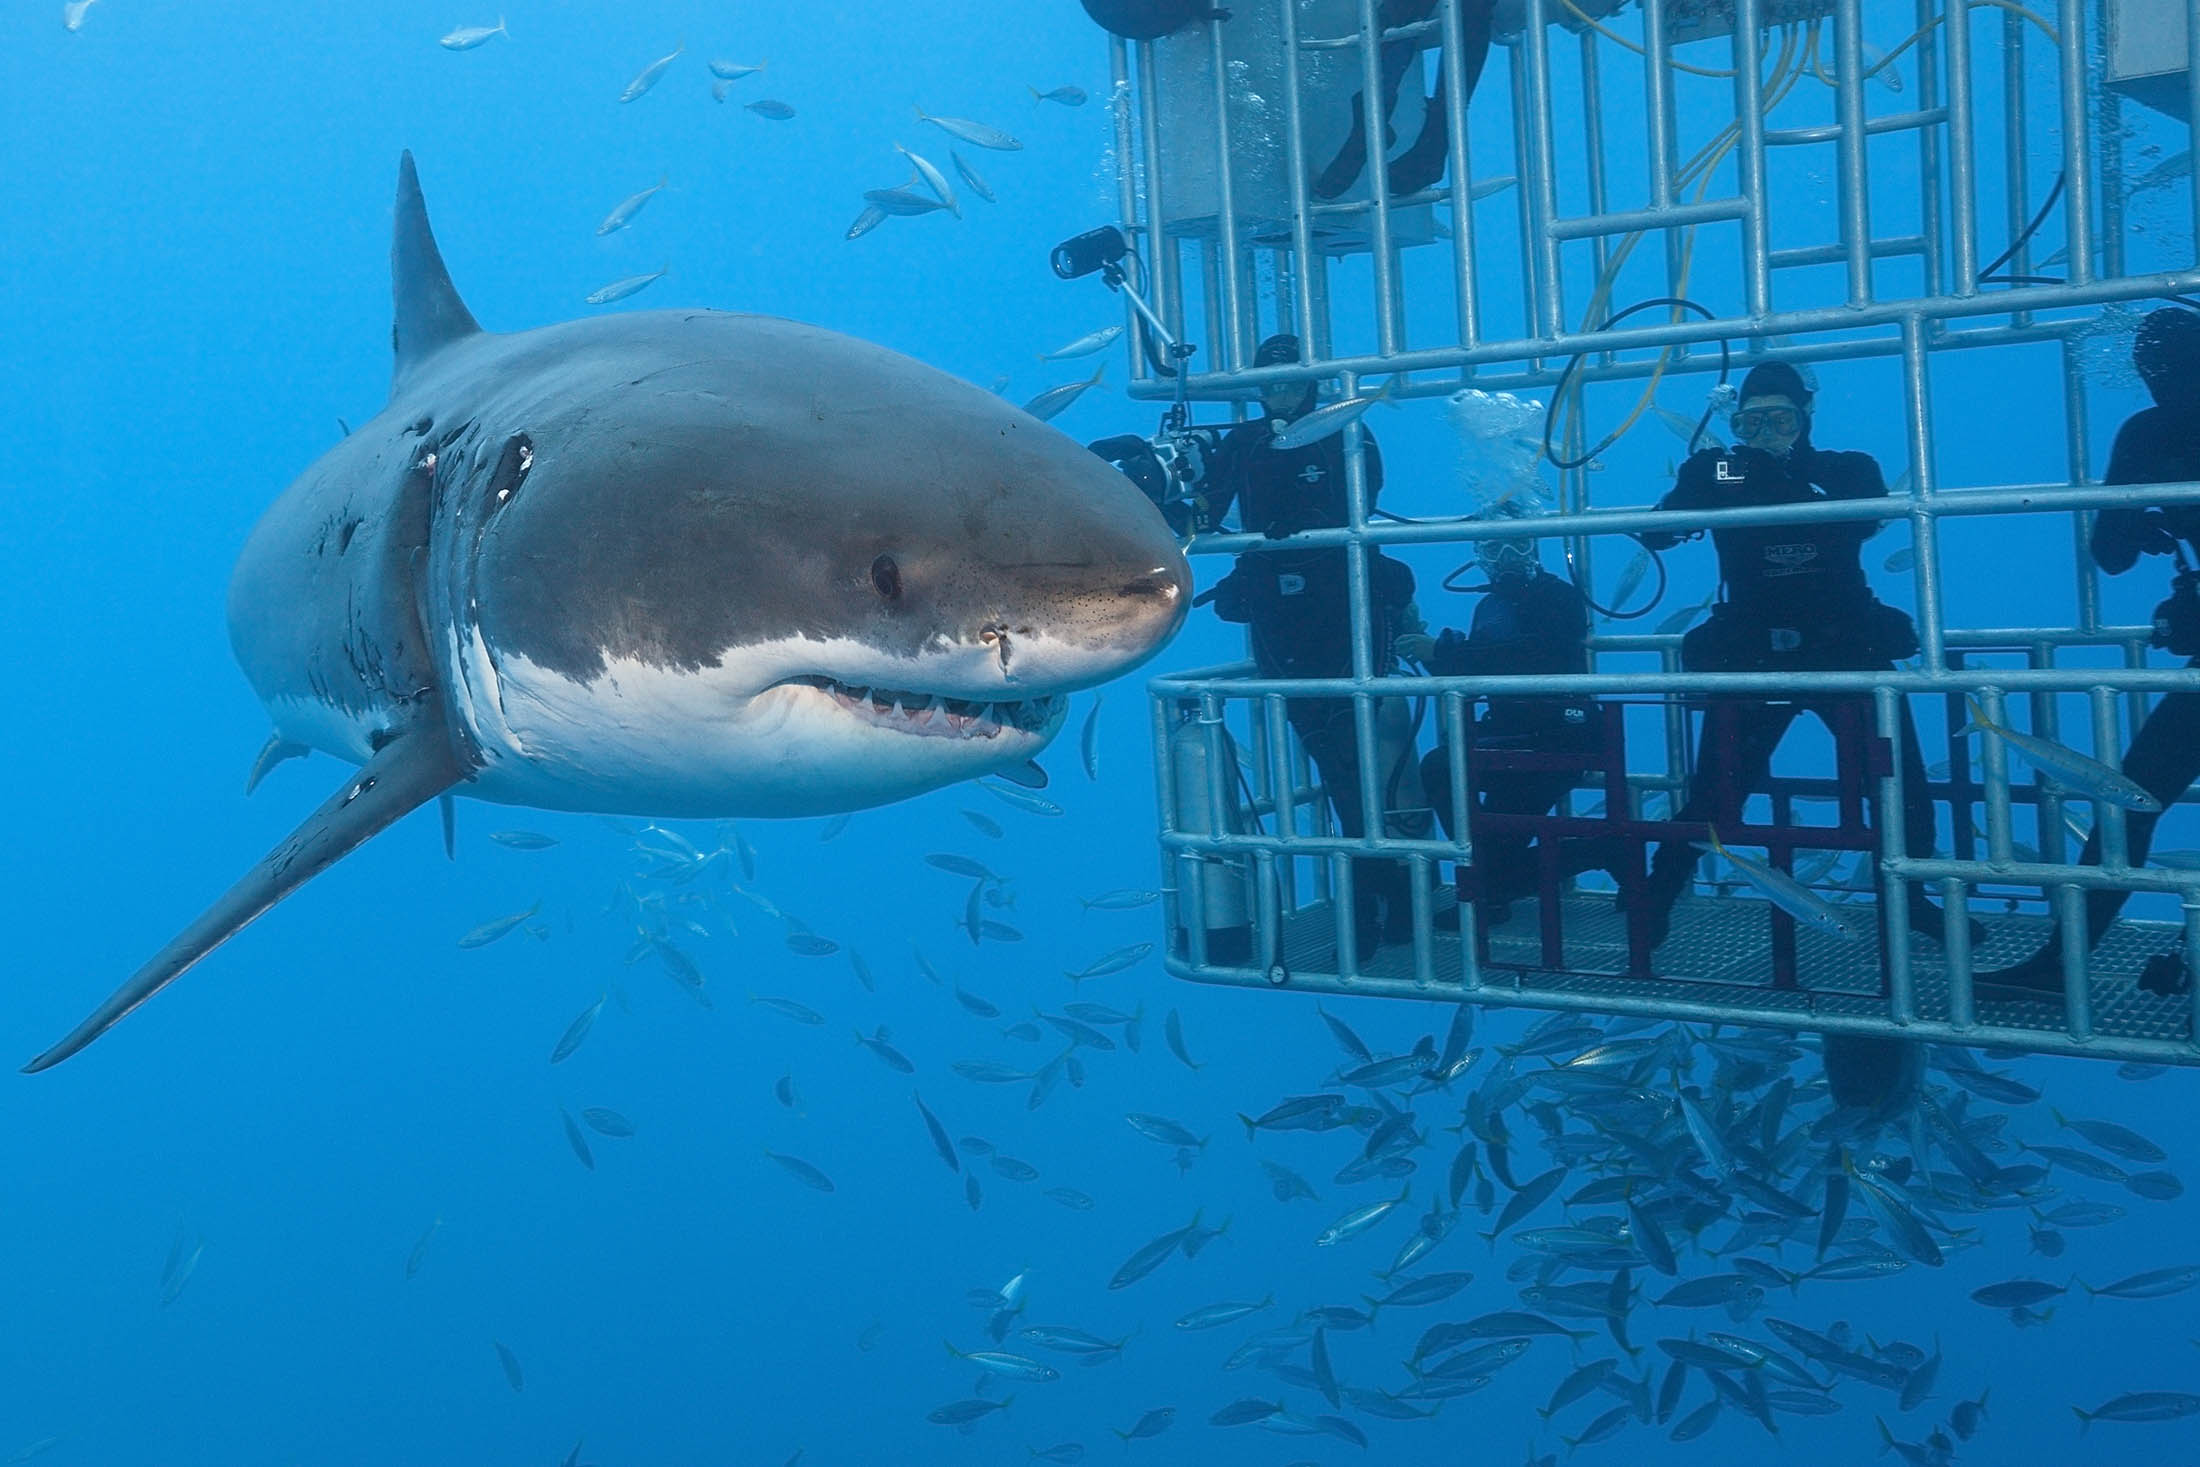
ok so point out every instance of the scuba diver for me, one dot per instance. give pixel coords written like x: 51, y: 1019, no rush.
x: 1422, y: 163
x: 1296, y: 606
x: 1796, y: 600
x: 1530, y: 623
x: 2156, y: 445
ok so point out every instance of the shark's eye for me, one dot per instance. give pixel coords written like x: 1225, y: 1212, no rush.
x: 886, y: 577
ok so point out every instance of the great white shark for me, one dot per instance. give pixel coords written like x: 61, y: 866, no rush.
x: 679, y: 563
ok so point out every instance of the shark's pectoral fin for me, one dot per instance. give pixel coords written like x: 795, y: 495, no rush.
x: 1028, y: 774
x: 273, y: 752
x: 408, y: 772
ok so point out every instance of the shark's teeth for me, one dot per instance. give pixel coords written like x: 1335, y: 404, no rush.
x: 934, y: 714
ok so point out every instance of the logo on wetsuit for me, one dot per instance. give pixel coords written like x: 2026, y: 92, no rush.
x: 1791, y: 560
x: 1312, y: 474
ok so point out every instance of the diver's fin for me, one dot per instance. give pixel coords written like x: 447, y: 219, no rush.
x: 410, y: 770
x: 448, y: 809
x: 429, y: 315
x: 273, y: 752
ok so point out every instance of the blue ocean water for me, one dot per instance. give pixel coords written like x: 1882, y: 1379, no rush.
x: 218, y: 1222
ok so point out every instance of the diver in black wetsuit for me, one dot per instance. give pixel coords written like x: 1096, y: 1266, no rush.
x: 1422, y: 163
x: 1296, y: 605
x: 1530, y: 623
x: 1796, y: 601
x: 2156, y: 445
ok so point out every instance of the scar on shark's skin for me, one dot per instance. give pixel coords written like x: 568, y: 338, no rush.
x: 714, y: 644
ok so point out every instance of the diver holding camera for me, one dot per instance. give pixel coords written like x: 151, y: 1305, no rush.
x: 2156, y: 445
x: 1295, y: 604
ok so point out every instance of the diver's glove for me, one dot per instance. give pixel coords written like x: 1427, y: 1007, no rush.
x: 2152, y: 534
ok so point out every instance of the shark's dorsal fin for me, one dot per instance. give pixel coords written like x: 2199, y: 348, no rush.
x: 429, y: 314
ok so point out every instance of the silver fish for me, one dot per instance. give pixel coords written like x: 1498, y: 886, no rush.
x: 1173, y: 1029
x: 2080, y: 772
x: 621, y: 216
x: 969, y: 176
x: 1163, y: 1130
x: 575, y: 1139
x: 575, y: 1032
x: 1088, y: 741
x: 1685, y: 615
x: 72, y: 15
x: 901, y: 201
x: 801, y: 1013
x: 465, y: 38
x: 801, y: 1171
x: 489, y: 932
x: 1005, y: 1365
x: 1084, y: 346
x: 2168, y: 171
x: 891, y: 1057
x: 1901, y: 560
x: 1114, y: 962
x: 933, y: 178
x: 1682, y: 428
x: 1021, y: 799
x: 619, y: 290
x: 1152, y: 1255
x: 1630, y: 578
x: 940, y: 1143
x: 977, y: 134
x: 523, y: 840
x: 1326, y: 422
x: 956, y: 865
x: 607, y: 1122
x: 770, y: 107
x: 2141, y: 1406
x: 734, y: 70
x: 648, y: 75
x: 1792, y: 897
x: 1050, y: 403
x: 1122, y: 899
x: 2154, y: 1284
x: 1360, y: 1219
x: 1067, y: 96
x: 510, y: 1362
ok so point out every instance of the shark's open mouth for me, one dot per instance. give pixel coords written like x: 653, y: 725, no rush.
x: 934, y: 716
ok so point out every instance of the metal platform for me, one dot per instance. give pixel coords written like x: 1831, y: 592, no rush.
x: 1714, y: 967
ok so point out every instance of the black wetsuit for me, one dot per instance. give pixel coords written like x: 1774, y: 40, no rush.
x: 1297, y: 607
x: 1422, y: 163
x: 2156, y: 445
x: 1796, y: 601
x: 1526, y: 626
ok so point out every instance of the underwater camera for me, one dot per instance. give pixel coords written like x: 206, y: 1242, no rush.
x: 1095, y: 249
x: 2177, y: 619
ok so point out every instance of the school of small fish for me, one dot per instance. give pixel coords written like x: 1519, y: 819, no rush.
x: 1679, y: 1228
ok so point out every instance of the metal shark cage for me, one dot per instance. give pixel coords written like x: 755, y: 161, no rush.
x: 1761, y: 151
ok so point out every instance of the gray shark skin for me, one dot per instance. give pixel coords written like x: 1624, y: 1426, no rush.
x: 669, y: 563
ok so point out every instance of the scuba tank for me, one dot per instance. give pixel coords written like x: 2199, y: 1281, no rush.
x: 1221, y: 886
